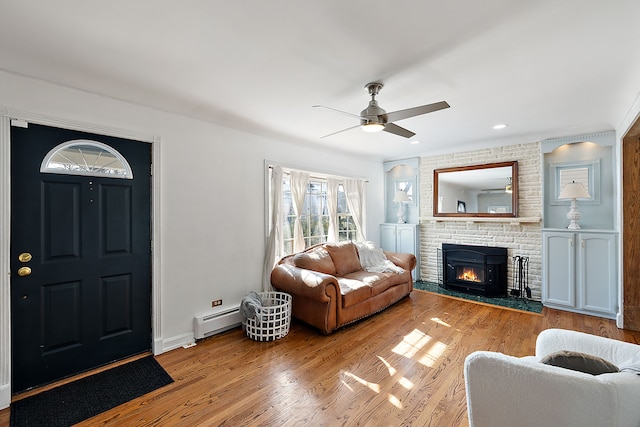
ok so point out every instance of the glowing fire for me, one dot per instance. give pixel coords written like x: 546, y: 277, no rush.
x: 469, y: 274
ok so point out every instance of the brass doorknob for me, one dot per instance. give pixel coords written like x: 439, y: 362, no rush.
x: 24, y: 257
x: 24, y: 271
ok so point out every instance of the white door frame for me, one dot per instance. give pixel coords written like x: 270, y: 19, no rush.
x: 6, y: 116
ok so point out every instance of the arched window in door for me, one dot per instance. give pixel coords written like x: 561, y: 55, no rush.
x: 88, y: 158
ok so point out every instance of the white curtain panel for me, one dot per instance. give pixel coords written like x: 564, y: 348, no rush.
x: 274, y: 243
x: 332, y: 208
x: 354, y: 190
x: 299, y: 182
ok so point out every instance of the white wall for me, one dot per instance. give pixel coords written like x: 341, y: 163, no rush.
x: 211, y: 193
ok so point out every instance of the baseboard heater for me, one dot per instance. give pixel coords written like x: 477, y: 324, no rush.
x: 207, y: 324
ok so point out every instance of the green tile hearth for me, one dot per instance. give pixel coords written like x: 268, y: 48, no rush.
x: 517, y: 303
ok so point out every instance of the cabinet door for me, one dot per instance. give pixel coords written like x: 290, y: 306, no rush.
x: 388, y: 237
x: 558, y: 275
x: 597, y: 272
x: 401, y: 238
x: 406, y: 239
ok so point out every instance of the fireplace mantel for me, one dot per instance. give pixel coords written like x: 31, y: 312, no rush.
x: 470, y: 219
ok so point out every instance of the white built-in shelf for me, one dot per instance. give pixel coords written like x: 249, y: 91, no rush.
x: 472, y: 219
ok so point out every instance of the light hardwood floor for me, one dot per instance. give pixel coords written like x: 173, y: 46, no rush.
x: 401, y: 367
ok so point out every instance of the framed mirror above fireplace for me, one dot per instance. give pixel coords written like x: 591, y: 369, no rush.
x: 487, y: 190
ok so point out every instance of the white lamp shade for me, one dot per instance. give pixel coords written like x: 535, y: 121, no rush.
x: 574, y: 190
x: 401, y: 196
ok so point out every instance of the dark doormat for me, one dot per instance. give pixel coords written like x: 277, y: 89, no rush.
x: 73, y: 402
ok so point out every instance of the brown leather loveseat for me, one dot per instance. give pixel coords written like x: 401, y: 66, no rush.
x: 330, y: 289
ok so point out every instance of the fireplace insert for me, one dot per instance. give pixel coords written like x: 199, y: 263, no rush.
x: 475, y: 269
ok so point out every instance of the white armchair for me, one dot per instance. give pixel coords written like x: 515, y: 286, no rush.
x: 510, y: 391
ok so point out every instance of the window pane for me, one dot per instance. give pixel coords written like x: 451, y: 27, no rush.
x: 315, y: 241
x: 87, y: 158
x: 287, y: 230
x: 342, y: 201
x: 316, y: 226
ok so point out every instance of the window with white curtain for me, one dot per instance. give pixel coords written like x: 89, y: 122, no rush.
x: 315, y: 214
x: 304, y: 210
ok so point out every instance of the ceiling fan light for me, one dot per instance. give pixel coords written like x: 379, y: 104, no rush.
x: 372, y: 127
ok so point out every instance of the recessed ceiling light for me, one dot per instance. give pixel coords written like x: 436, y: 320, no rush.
x: 500, y: 126
x: 414, y: 142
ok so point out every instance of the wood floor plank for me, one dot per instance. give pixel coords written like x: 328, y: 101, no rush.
x: 403, y: 366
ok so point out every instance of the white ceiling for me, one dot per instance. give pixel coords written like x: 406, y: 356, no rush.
x: 548, y: 68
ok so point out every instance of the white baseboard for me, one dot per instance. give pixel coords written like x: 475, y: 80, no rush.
x: 620, y: 321
x: 5, y: 396
x: 163, y: 345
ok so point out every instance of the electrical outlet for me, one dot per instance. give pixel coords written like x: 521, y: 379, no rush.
x: 216, y: 303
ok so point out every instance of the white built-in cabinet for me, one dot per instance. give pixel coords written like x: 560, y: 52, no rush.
x: 402, y: 238
x: 579, y: 271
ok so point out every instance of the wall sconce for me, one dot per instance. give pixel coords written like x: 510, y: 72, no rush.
x: 574, y: 190
x: 401, y: 197
x: 508, y: 188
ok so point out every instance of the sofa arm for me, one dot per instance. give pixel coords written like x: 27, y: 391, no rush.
x: 553, y: 340
x: 404, y: 260
x: 307, y: 283
x: 503, y: 390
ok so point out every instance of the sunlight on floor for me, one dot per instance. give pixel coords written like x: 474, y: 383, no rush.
x: 430, y: 358
x: 395, y: 401
x: 404, y: 382
x: 417, y: 346
x: 372, y: 386
x: 440, y: 322
x: 392, y: 370
x: 344, y: 383
x: 417, y: 341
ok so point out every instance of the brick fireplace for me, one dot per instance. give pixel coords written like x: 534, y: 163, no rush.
x: 520, y: 238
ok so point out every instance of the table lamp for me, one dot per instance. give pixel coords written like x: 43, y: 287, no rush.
x: 401, y: 197
x: 573, y: 191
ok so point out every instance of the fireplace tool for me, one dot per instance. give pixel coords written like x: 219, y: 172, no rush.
x: 521, y: 277
x: 440, y: 271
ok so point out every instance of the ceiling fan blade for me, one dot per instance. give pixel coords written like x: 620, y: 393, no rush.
x: 338, y: 111
x: 340, y: 131
x: 397, y: 130
x: 416, y: 111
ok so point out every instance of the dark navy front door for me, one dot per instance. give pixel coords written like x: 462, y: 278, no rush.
x: 80, y: 259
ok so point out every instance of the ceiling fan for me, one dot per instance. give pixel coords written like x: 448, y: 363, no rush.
x: 374, y: 119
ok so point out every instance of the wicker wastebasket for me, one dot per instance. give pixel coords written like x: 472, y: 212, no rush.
x: 272, y: 319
